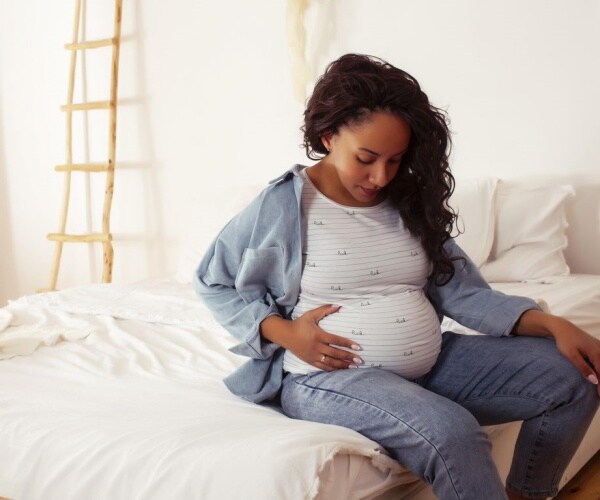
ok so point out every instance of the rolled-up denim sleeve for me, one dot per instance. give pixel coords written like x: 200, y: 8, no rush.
x: 215, y: 282
x: 468, y: 299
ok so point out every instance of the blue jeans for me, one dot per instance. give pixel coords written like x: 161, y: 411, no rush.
x: 431, y: 425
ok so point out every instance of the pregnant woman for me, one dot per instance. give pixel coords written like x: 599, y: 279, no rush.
x: 335, y: 280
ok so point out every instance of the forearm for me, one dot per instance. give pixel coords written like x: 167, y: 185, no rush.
x: 536, y: 323
x: 276, y: 329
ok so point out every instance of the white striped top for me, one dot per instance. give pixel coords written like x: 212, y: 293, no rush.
x: 365, y: 260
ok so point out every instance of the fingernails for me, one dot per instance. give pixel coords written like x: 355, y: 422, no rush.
x: 356, y: 347
x: 337, y: 308
x: 358, y: 361
x: 352, y: 366
x: 593, y: 379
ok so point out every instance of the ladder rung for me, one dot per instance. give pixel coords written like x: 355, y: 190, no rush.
x: 83, y: 167
x: 92, y: 44
x: 86, y: 105
x: 80, y: 238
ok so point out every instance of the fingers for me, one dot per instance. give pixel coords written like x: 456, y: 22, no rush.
x: 593, y: 377
x: 583, y: 351
x: 331, y: 363
x: 333, y: 352
x: 585, y: 369
x: 322, y: 312
x: 587, y: 359
x: 338, y: 358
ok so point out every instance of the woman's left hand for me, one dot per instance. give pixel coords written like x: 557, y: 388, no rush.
x: 576, y: 345
x: 581, y: 349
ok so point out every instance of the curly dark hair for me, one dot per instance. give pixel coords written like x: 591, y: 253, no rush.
x: 353, y: 87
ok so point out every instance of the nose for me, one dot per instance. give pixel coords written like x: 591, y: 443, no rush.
x: 379, y: 175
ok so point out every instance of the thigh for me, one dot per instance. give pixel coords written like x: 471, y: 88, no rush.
x: 501, y: 379
x: 395, y: 412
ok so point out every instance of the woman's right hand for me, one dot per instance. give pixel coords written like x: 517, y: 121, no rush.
x: 309, y: 342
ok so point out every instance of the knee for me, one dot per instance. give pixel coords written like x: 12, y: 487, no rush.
x: 570, y: 386
x: 583, y: 392
x: 455, y: 439
x: 457, y: 428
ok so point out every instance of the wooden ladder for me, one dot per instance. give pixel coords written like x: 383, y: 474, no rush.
x: 104, y: 237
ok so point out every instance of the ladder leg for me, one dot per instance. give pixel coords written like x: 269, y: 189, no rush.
x: 112, y: 144
x: 108, y: 262
x: 68, y: 151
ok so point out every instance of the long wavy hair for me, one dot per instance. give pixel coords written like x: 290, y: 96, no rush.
x: 353, y: 87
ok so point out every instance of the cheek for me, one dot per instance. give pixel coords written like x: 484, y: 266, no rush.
x: 352, y: 173
x: 359, y: 175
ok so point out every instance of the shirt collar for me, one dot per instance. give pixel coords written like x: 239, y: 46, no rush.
x: 295, y: 170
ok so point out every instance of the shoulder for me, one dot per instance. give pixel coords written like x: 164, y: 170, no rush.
x: 283, y: 189
x: 288, y: 177
x: 280, y: 195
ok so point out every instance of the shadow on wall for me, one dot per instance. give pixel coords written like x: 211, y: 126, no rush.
x: 8, y: 276
x: 139, y: 242
x: 583, y: 216
x: 322, y: 35
x: 156, y: 244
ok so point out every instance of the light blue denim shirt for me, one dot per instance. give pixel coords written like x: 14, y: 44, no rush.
x: 253, y: 268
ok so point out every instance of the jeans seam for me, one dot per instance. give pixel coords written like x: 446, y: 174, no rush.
x: 353, y: 398
x: 531, y: 397
x: 531, y: 457
x: 546, y: 493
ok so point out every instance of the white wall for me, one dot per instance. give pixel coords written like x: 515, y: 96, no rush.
x: 206, y: 101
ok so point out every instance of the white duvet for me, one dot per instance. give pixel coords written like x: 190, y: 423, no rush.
x: 133, y: 407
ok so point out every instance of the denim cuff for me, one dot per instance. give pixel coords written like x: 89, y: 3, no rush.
x: 501, y: 320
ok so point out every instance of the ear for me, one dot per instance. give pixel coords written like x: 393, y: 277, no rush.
x: 326, y: 140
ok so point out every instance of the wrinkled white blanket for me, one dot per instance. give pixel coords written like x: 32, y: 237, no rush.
x: 133, y: 406
x: 71, y: 314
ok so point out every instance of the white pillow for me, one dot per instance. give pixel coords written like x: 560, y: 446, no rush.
x: 208, y: 218
x: 473, y: 200
x: 530, y: 234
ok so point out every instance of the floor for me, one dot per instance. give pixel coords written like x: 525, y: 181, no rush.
x: 585, y: 485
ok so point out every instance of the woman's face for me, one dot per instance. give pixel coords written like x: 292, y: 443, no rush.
x: 363, y: 159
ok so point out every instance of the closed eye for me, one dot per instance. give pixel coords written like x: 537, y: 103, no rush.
x: 368, y: 162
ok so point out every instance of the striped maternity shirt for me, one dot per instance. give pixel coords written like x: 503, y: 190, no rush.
x: 365, y: 260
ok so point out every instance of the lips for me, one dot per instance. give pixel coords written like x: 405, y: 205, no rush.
x: 370, y: 192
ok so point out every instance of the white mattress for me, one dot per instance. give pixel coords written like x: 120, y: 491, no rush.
x: 132, y: 406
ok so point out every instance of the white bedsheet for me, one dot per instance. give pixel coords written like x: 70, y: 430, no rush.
x: 133, y: 406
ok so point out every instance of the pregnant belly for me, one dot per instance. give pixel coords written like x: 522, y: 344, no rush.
x: 398, y: 333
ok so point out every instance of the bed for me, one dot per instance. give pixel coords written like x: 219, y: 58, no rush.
x: 115, y: 391
x: 132, y: 406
